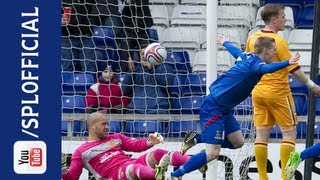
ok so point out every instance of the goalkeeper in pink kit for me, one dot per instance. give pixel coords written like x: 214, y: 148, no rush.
x: 103, y: 155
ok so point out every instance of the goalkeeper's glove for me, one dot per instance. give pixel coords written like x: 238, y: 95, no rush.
x: 155, y: 138
x: 64, y: 168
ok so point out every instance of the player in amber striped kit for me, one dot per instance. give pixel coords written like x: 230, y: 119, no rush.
x: 272, y: 98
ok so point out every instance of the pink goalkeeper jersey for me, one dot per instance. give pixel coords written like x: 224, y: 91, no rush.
x: 103, y: 158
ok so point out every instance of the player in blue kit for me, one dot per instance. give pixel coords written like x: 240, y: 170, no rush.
x: 219, y: 127
x: 297, y: 157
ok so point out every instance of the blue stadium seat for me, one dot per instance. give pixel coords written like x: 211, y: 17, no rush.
x: 296, y: 11
x: 80, y: 128
x: 305, y: 18
x: 114, y: 126
x: 64, y: 128
x: 245, y: 107
x: 187, y: 104
x: 300, y: 95
x: 76, y: 83
x: 180, y: 60
x: 295, y: 5
x: 275, y: 132
x: 301, y: 103
x: 195, y: 84
x: 317, y: 130
x: 142, y: 128
x: 178, y: 128
x: 286, y: 2
x: 73, y: 104
x: 308, y: 2
x: 107, y: 57
x: 301, y: 130
x: 153, y: 34
x: 189, y: 84
x: 297, y: 86
x: 246, y: 127
x: 104, y: 37
x: 317, y: 106
x: 121, y: 76
x: 178, y: 85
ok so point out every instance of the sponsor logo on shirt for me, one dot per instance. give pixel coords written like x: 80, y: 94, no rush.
x: 107, y: 156
x: 112, y: 143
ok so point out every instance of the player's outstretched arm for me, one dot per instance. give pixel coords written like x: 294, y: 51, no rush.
x: 220, y: 39
x: 233, y: 50
x: 75, y: 169
x: 139, y: 145
x: 275, y: 66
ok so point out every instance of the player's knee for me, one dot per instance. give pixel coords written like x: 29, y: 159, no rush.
x: 212, y: 154
x: 239, y: 144
x: 160, y: 152
x: 289, y: 132
x: 131, y: 172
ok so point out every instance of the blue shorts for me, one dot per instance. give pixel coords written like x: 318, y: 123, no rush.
x: 215, y: 122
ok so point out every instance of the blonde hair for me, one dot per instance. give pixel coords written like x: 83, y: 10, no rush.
x: 263, y: 42
x: 269, y: 11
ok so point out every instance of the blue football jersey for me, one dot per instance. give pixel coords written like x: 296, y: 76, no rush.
x: 235, y: 85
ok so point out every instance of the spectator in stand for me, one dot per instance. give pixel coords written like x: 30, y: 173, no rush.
x: 137, y: 19
x: 111, y: 10
x: 77, y: 52
x: 148, y: 86
x: 106, y: 94
x: 103, y: 155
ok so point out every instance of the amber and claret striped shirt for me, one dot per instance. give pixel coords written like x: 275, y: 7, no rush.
x: 273, y: 84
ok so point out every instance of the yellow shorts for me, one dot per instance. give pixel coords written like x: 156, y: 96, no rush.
x: 268, y: 111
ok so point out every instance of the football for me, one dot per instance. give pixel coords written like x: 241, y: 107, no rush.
x: 155, y: 53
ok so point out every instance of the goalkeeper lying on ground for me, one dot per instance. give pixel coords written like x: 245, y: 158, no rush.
x: 103, y: 155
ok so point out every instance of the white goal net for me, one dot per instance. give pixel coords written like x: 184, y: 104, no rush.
x: 102, y: 36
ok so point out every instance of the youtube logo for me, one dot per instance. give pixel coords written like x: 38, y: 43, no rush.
x: 30, y: 157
